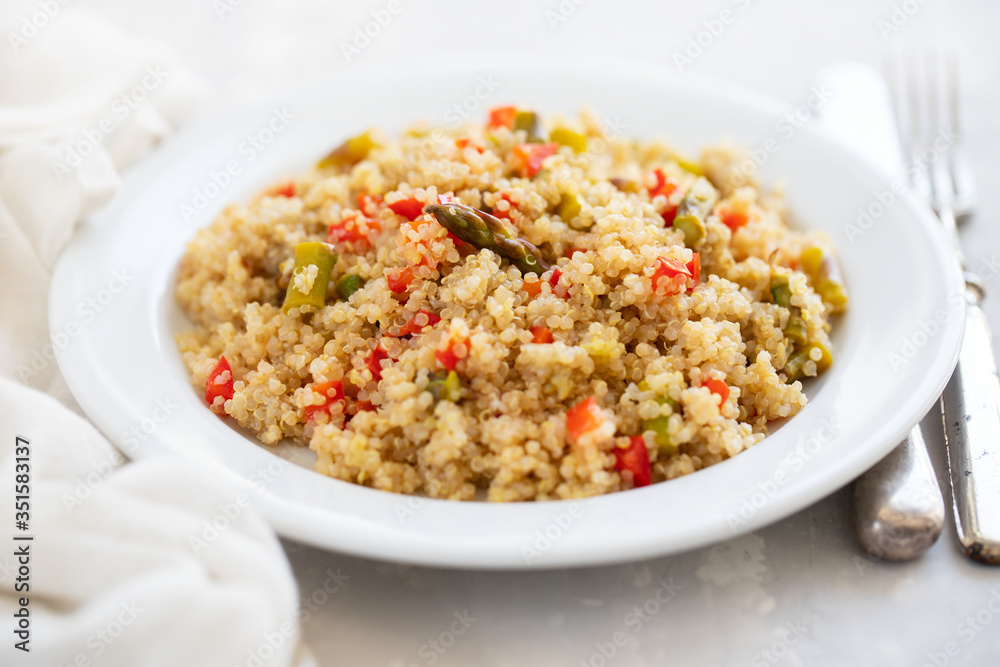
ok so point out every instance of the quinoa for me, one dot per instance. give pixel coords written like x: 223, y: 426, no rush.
x: 451, y: 374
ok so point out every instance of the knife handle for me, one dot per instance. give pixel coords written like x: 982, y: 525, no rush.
x: 898, y: 511
x: 971, y: 413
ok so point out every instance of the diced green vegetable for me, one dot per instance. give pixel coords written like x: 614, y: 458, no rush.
x: 531, y: 123
x: 350, y: 152
x: 570, y: 205
x: 486, y: 231
x: 348, y: 285
x: 781, y: 292
x: 660, y: 428
x: 689, y: 166
x: 307, y: 288
x: 693, y: 211
x: 825, y: 276
x: 817, y: 353
x: 566, y: 137
x: 795, y: 330
x: 625, y: 184
x: 446, y: 387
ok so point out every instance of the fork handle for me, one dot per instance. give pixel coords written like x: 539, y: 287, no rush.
x: 898, y: 511
x: 971, y: 413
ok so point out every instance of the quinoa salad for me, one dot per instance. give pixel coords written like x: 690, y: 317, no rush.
x: 521, y: 309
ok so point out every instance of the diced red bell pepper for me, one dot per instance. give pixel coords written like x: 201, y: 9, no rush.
x: 669, y: 215
x: 635, y: 459
x: 531, y: 156
x: 374, y: 362
x: 448, y: 356
x: 694, y: 267
x: 572, y: 251
x: 583, y: 418
x: 717, y: 387
x: 672, y: 270
x: 732, y: 219
x: 541, y: 335
x: 665, y: 185
x: 399, y: 279
x: 331, y: 392
x: 282, y: 190
x: 465, y: 142
x: 559, y: 290
x: 446, y: 199
x: 368, y: 204
x: 408, y: 208
x: 353, y: 227
x: 533, y: 288
x: 502, y: 117
x: 505, y: 214
x: 413, y: 327
x: 220, y: 383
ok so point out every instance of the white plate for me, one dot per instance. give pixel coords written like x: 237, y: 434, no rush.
x: 121, y: 361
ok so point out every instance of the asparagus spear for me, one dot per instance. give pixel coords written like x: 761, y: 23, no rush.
x: 486, y: 231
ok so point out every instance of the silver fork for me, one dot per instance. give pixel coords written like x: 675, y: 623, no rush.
x: 970, y: 404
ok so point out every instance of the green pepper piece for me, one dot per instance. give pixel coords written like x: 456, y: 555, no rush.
x: 313, y: 289
x: 531, y: 123
x: 781, y: 292
x: 625, y: 184
x: 350, y: 152
x: 447, y: 388
x: 817, y: 353
x: 825, y: 277
x: 570, y: 205
x: 566, y: 137
x: 693, y: 210
x: 689, y: 166
x: 660, y: 428
x: 348, y: 285
x: 795, y: 330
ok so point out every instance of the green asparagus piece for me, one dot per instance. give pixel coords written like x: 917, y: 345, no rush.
x: 350, y: 152
x: 486, y: 231
x: 660, y: 427
x: 817, y: 353
x: 308, y: 289
x: 446, y: 387
x: 693, y: 210
x: 781, y: 292
x: 348, y: 285
x: 825, y: 275
x: 530, y: 122
x: 565, y: 137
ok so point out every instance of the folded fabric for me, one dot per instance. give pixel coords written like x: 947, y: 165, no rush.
x: 150, y: 563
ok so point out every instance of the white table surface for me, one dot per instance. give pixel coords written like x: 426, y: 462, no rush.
x: 797, y: 593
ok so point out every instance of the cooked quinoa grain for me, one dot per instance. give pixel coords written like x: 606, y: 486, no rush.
x: 671, y: 317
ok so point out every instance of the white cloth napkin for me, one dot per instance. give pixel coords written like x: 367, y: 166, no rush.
x: 115, y: 576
